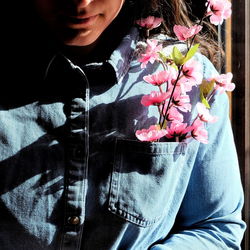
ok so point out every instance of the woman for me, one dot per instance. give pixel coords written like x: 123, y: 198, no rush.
x: 73, y: 174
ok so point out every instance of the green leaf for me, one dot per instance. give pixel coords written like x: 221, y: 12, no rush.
x: 204, y: 100
x: 206, y: 87
x: 164, y: 126
x: 177, y: 56
x: 163, y: 56
x: 175, y: 67
x: 191, y: 52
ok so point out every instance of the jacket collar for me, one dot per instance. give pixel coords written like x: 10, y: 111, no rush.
x: 121, y: 57
x: 111, y: 70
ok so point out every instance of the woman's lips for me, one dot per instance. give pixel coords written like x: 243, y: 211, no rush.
x: 79, y: 21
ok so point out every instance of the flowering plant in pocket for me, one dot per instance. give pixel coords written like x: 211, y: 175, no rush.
x: 181, y: 72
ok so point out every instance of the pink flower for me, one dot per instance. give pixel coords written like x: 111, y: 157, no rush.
x: 183, y: 33
x: 174, y: 115
x: 177, y: 129
x: 154, y: 98
x: 151, y: 53
x: 160, y: 77
x: 184, y: 85
x: 204, y: 114
x: 223, y: 82
x: 191, y: 71
x: 153, y: 133
x: 191, y: 75
x: 218, y: 10
x: 150, y: 22
x: 181, y: 101
x: 198, y: 132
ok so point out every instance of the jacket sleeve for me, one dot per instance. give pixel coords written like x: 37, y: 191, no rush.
x: 210, y: 214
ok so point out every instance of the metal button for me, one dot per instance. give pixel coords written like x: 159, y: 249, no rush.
x: 74, y: 220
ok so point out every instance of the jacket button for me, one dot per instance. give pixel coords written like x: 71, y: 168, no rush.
x: 74, y: 220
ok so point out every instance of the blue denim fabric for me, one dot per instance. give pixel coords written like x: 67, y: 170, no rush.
x: 73, y: 176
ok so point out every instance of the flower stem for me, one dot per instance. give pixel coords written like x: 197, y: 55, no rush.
x: 200, y: 22
x: 211, y: 95
x: 171, y: 96
x: 163, y: 103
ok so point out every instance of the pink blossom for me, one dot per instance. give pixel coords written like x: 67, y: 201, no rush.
x: 174, y: 115
x: 204, y: 114
x: 183, y: 33
x: 181, y: 101
x: 160, y: 77
x: 191, y: 71
x: 184, y: 85
x: 191, y: 75
x: 153, y: 133
x: 177, y: 129
x: 154, y: 98
x: 150, y: 22
x: 151, y: 54
x: 199, y: 132
x: 223, y: 82
x: 218, y: 10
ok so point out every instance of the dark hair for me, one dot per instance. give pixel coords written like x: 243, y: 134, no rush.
x: 180, y: 12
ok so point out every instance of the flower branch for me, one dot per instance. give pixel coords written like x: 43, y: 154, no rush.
x: 181, y: 72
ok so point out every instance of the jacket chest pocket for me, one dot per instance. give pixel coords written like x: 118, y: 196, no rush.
x: 145, y: 179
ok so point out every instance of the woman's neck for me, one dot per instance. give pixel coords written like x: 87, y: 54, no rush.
x: 80, y: 54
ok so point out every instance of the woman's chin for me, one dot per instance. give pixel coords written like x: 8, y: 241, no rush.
x: 78, y: 38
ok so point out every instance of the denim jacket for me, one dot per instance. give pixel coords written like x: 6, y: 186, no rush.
x: 73, y: 176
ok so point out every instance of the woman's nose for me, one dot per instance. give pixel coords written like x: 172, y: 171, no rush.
x: 82, y: 3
